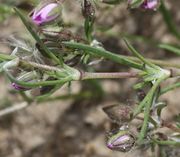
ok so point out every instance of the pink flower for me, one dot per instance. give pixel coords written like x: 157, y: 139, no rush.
x: 48, y: 13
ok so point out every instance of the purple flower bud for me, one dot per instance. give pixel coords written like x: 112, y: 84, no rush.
x: 146, y: 4
x: 121, y: 141
x: 31, y: 76
x: 150, y: 4
x: 46, y: 14
x: 19, y: 87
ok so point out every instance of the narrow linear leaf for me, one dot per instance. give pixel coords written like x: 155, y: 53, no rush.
x: 170, y: 87
x: 112, y: 2
x: 170, y: 48
x: 137, y: 54
x: 103, y: 53
x: 5, y: 57
x: 168, y: 20
x: 45, y: 97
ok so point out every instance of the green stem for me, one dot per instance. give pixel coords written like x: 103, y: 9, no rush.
x: 37, y: 84
x: 150, y: 95
x: 173, y: 143
x: 143, y: 103
x: 157, y: 62
x: 82, y: 95
x: 47, y: 95
x: 137, y: 54
x: 39, y: 66
x: 170, y: 48
x: 25, y: 97
x: 170, y: 87
x: 5, y: 57
x: 144, y: 128
x: 89, y: 75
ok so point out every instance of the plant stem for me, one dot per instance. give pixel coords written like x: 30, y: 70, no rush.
x: 170, y: 87
x: 13, y: 108
x: 82, y: 95
x: 146, y: 119
x: 115, y: 75
x: 122, y: 59
x: 37, y: 84
x: 37, y: 65
x: 5, y: 57
x: 157, y: 62
x: 25, y: 97
x: 148, y: 108
x: 85, y: 75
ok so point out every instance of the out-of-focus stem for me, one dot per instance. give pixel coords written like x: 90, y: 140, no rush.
x: 174, y: 143
x: 170, y: 87
x: 13, y: 109
x: 157, y: 62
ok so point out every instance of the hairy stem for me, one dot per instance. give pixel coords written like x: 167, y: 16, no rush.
x: 89, y: 75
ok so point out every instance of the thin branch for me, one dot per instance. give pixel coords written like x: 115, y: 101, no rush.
x: 37, y: 65
x: 13, y: 108
x: 170, y: 87
x: 174, y: 143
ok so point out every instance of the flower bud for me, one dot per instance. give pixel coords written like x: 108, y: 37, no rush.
x: 122, y: 141
x: 150, y: 4
x: 25, y: 77
x: 146, y: 4
x: 46, y: 13
x: 19, y: 87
